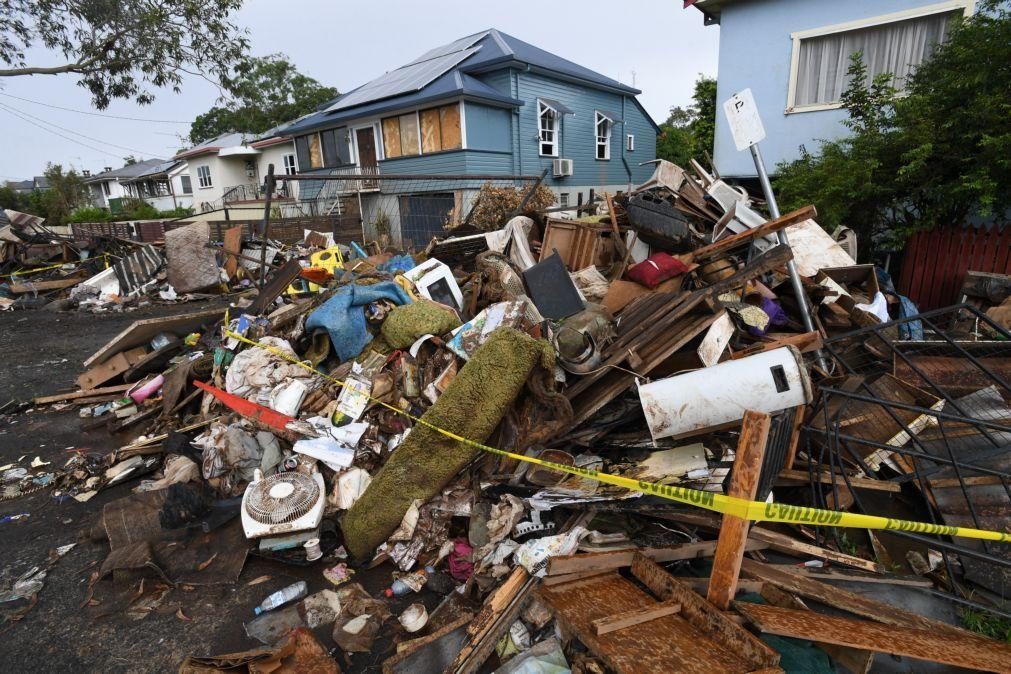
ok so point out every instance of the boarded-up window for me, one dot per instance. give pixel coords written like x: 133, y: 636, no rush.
x: 431, y: 134
x: 440, y: 131
x: 409, y: 135
x: 315, y: 152
x: 449, y: 115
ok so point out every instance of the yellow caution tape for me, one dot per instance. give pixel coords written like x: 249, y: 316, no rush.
x: 728, y: 505
x: 36, y: 270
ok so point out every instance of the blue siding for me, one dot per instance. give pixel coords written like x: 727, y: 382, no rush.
x: 488, y: 128
x: 461, y: 162
x: 578, y: 134
x: 499, y: 80
x: 755, y: 50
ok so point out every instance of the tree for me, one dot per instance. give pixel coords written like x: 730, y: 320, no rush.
x: 938, y: 155
x: 688, y: 133
x: 264, y: 92
x: 122, y: 48
x: 66, y: 192
x: 12, y: 199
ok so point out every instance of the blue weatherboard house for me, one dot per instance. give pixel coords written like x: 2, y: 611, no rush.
x: 793, y: 54
x: 486, y: 104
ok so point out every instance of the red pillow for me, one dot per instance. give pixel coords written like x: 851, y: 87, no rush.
x: 656, y: 269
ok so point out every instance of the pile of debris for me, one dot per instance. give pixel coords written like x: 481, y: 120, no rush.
x: 509, y: 433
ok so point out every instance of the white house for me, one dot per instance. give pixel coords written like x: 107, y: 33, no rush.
x: 108, y: 188
x: 166, y: 186
x: 229, y: 171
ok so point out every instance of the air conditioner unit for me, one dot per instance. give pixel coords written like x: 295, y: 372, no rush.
x: 561, y: 167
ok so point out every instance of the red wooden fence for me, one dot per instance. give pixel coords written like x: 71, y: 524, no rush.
x: 934, y: 263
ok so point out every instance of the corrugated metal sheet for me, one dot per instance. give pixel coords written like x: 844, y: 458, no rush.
x: 136, y: 269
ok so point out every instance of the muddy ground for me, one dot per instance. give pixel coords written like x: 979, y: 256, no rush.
x: 42, y: 355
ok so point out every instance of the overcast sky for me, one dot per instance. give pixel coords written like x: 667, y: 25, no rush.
x: 345, y: 44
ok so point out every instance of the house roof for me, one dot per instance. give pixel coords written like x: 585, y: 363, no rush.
x: 447, y: 72
x: 218, y: 143
x: 160, y: 168
x: 711, y: 9
x: 20, y: 184
x: 126, y: 172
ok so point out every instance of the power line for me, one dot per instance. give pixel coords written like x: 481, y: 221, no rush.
x: 95, y: 114
x: 72, y: 140
x: 78, y: 133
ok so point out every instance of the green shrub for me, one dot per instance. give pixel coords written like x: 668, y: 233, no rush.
x: 88, y: 214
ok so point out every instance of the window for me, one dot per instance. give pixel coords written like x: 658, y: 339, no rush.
x: 423, y: 132
x: 105, y: 188
x: 630, y: 142
x: 895, y: 43
x: 187, y: 185
x: 289, y: 164
x: 162, y: 188
x: 204, y: 176
x: 602, y: 123
x: 547, y: 124
x: 315, y: 152
x: 563, y: 199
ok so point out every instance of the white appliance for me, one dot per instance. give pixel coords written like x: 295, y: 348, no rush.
x: 561, y: 167
x: 435, y: 280
x: 697, y: 401
x: 282, y: 504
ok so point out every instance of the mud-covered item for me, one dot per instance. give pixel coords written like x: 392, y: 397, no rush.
x: 472, y: 406
x: 407, y: 323
x: 658, y: 223
x: 191, y: 265
x: 343, y: 315
x: 656, y: 269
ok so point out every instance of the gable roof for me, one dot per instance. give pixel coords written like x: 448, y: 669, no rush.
x: 125, y: 172
x: 447, y: 72
x: 158, y: 168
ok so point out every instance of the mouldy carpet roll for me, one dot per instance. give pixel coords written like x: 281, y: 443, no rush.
x: 472, y: 407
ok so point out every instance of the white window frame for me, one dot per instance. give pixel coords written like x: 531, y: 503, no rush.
x: 563, y: 199
x: 630, y: 142
x: 182, y: 183
x: 204, y: 180
x: 602, y: 141
x: 967, y: 7
x: 542, y: 107
x: 106, y: 190
x: 288, y: 161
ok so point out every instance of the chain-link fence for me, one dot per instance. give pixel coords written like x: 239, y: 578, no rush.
x: 407, y: 211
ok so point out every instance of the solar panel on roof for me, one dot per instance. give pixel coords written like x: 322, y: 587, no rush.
x: 403, y: 80
x: 458, y: 45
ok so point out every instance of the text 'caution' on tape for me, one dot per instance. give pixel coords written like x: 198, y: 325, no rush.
x: 727, y: 505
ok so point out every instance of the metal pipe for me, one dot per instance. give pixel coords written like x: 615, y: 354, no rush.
x: 268, y: 184
x: 791, y: 266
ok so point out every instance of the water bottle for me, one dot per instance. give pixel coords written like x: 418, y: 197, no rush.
x: 412, y: 582
x: 282, y: 597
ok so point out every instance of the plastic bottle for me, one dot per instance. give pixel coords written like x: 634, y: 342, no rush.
x: 412, y: 582
x: 282, y: 597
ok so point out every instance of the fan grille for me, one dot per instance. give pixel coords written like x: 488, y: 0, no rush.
x: 281, y: 498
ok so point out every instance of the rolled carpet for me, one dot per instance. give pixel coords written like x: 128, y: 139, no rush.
x: 472, y: 406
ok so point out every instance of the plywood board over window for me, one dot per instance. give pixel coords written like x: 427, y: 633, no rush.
x: 449, y: 117
x: 431, y: 134
x: 391, y: 137
x: 315, y: 152
x: 409, y: 141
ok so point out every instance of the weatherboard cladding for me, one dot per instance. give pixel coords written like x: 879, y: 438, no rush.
x: 488, y: 128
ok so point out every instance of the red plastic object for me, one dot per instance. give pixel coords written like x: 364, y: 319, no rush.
x: 248, y: 408
x: 656, y: 269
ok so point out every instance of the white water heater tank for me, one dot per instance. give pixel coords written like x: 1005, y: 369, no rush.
x: 702, y: 400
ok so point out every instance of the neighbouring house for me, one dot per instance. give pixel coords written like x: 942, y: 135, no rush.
x: 487, y: 104
x: 36, y: 184
x: 793, y: 55
x: 165, y: 185
x: 229, y: 171
x: 109, y: 188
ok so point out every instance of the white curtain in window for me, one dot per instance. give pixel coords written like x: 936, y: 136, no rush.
x: 896, y: 48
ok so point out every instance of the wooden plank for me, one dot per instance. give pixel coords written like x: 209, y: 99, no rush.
x: 702, y: 615
x: 110, y: 369
x: 804, y: 342
x: 89, y: 393
x: 500, y: 610
x: 782, y: 543
x: 968, y: 650
x: 856, y: 660
x: 667, y: 644
x: 233, y: 245
x: 616, y: 559
x: 277, y: 284
x: 844, y: 599
x: 635, y: 616
x: 855, y: 577
x: 143, y: 331
x: 42, y: 286
x: 795, y: 478
x: 734, y: 531
x: 723, y: 246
